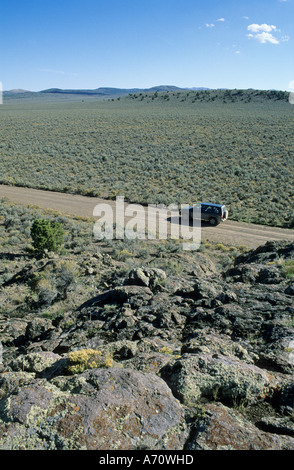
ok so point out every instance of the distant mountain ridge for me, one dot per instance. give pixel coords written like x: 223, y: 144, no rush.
x: 113, y: 91
x: 105, y: 91
x: 156, y: 93
x: 18, y: 90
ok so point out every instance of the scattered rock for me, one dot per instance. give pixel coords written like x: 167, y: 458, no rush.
x: 148, y: 277
x: 216, y: 377
x: 203, y: 360
x: 277, y: 425
x: 34, y: 362
x: 290, y: 289
x: 221, y: 428
x: 36, y: 328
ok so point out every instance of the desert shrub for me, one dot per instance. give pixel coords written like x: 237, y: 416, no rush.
x: 159, y: 151
x: 291, y: 221
x: 289, y: 269
x: 87, y: 359
x: 46, y: 291
x: 47, y: 235
x: 52, y: 283
x: 66, y: 275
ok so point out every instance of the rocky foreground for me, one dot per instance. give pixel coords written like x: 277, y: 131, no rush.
x: 202, y: 361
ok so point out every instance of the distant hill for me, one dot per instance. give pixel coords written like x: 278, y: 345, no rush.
x: 106, y: 91
x: 102, y: 91
x: 53, y: 94
x: 19, y: 90
x: 156, y: 93
x: 203, y: 95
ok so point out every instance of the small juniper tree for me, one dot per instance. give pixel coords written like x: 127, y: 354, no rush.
x: 47, y: 235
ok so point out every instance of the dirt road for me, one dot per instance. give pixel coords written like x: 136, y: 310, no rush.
x: 229, y: 232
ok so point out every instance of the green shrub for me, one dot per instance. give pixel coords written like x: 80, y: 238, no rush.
x: 289, y: 269
x: 47, y: 235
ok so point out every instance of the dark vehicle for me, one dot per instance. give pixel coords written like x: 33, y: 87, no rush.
x: 212, y: 213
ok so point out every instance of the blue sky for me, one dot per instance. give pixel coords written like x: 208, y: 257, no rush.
x: 128, y: 43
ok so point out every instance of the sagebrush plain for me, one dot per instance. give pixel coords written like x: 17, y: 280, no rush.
x: 228, y: 146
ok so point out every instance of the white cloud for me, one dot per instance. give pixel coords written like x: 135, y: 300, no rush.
x: 256, y: 28
x: 263, y: 33
x: 212, y: 25
x: 266, y: 37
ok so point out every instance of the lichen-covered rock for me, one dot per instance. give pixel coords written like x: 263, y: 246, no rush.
x: 35, y: 362
x: 221, y: 428
x: 283, y: 425
x: 194, y: 376
x: 205, y: 289
x: 149, y: 277
x: 100, y: 409
x: 122, y: 350
x: 10, y: 382
x: 152, y: 362
x: 210, y: 341
x: 37, y: 327
x: 279, y: 354
x: 12, y: 330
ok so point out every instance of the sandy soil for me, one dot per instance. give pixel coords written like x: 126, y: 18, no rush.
x: 228, y: 232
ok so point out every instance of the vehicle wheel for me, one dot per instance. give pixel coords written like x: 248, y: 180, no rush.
x: 213, y: 221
